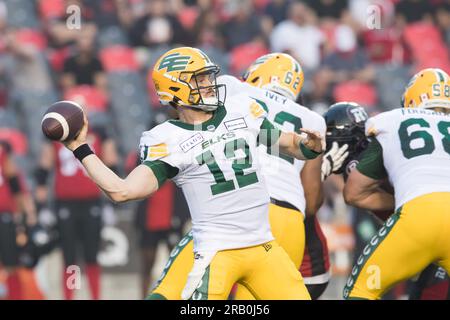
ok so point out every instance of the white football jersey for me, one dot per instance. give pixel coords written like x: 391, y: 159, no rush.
x: 416, y: 150
x: 281, y: 173
x: 219, y: 173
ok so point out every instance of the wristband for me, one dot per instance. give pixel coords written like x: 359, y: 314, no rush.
x: 82, y: 152
x: 308, y: 153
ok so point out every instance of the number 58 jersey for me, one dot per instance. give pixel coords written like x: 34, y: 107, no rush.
x: 216, y: 165
x: 411, y: 146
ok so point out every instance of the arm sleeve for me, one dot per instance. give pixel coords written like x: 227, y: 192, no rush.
x: 371, y: 163
x: 162, y: 170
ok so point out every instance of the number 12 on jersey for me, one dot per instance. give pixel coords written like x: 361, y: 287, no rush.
x: 222, y: 185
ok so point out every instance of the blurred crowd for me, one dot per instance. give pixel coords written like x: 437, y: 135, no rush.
x: 99, y: 53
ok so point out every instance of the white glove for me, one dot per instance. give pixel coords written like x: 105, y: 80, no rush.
x: 333, y: 159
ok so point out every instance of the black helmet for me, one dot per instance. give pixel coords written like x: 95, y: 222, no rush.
x: 345, y: 125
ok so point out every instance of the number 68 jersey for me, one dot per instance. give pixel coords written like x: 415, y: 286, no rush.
x: 411, y: 146
x: 216, y: 165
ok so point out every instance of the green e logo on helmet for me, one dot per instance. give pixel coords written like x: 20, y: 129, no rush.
x: 174, y: 62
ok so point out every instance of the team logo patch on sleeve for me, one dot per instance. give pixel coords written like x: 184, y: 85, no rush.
x: 256, y: 110
x: 156, y: 151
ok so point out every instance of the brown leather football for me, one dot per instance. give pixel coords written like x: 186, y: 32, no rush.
x: 62, y: 121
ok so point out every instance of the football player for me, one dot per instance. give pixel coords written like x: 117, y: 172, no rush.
x: 346, y: 141
x: 77, y: 204
x: 410, y: 146
x: 275, y: 81
x: 211, y: 152
x: 13, y: 198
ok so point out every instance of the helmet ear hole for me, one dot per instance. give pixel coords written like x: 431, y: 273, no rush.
x: 174, y: 89
x: 254, y: 80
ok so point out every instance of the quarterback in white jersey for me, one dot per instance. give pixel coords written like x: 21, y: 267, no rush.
x: 410, y: 147
x: 210, y: 153
x: 199, y: 157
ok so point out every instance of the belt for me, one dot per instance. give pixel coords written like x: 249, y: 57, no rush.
x: 283, y: 204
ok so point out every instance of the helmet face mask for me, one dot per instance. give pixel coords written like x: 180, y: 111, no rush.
x: 179, y: 78
x: 346, y: 125
x: 198, y: 91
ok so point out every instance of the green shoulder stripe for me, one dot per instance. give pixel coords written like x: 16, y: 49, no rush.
x: 162, y: 170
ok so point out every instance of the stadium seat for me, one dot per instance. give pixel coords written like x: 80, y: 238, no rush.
x: 51, y: 9
x: 111, y: 36
x: 33, y: 105
x: 391, y: 82
x: 56, y: 58
x: 21, y: 14
x: 427, y: 46
x: 7, y: 119
x: 118, y: 58
x: 130, y: 107
x: 187, y: 17
x: 242, y: 56
x: 93, y: 99
x: 362, y: 93
x: 31, y: 37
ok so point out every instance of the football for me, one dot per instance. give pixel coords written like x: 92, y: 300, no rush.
x: 62, y: 121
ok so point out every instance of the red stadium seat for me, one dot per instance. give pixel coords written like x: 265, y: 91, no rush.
x: 187, y: 17
x: 427, y: 46
x: 242, y: 56
x: 31, y: 37
x: 118, y: 58
x: 57, y: 57
x: 16, y: 139
x: 51, y: 9
x: 90, y: 97
x: 362, y: 93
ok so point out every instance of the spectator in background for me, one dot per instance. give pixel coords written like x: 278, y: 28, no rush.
x: 243, y: 26
x: 60, y: 35
x: 209, y: 39
x: 14, y: 198
x: 77, y: 204
x: 385, y: 44
x: 299, y: 36
x: 158, y: 27
x: 410, y: 11
x: 277, y: 10
x: 328, y: 9
x: 207, y: 30
x: 443, y: 20
x: 20, y: 63
x: 111, y: 13
x: 84, y: 67
x: 347, y: 62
